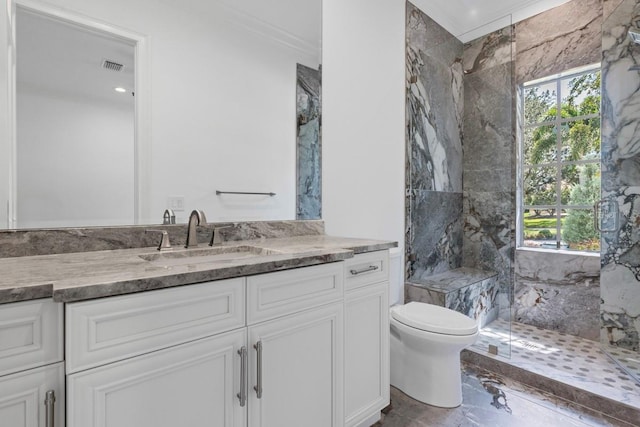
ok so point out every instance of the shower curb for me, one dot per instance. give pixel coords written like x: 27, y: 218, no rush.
x: 609, y: 407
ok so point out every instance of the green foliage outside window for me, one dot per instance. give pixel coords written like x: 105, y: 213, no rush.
x: 561, y: 159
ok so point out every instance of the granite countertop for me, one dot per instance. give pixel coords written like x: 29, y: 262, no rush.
x: 87, y: 275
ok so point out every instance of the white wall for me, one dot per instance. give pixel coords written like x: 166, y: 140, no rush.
x: 5, y: 135
x: 363, y: 119
x: 75, y: 160
x: 222, y: 107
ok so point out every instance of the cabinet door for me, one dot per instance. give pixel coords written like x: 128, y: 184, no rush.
x: 301, y: 370
x: 366, y: 368
x: 192, y: 385
x: 23, y: 395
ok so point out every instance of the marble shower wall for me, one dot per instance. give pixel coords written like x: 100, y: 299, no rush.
x: 565, y: 37
x: 309, y: 149
x: 557, y: 291
x: 489, y: 156
x: 434, y: 146
x: 620, y: 261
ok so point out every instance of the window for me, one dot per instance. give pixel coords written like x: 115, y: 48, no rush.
x: 561, y: 161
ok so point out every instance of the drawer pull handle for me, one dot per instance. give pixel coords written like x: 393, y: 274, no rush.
x: 243, y: 376
x: 258, y: 386
x: 364, y: 270
x: 49, y: 401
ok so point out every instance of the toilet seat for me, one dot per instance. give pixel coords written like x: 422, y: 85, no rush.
x: 433, y: 318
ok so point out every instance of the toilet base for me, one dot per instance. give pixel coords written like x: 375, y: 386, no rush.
x: 426, y: 366
x: 443, y: 389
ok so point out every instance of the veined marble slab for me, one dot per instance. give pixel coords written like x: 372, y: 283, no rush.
x: 434, y: 105
x: 309, y: 144
x: 18, y: 243
x: 620, y: 275
x: 469, y: 291
x: 436, y: 232
x: 565, y: 37
x: 87, y: 275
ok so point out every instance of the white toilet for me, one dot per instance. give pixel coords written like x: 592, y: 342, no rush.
x: 426, y: 341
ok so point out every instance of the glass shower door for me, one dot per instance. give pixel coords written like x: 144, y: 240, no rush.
x: 620, y: 205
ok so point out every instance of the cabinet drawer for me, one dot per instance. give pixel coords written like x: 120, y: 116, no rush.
x: 277, y: 294
x: 365, y: 269
x: 30, y: 335
x: 116, y: 328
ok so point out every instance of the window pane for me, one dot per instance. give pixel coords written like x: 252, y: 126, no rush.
x: 540, y: 103
x: 580, y: 184
x: 578, y: 232
x: 540, y: 186
x: 581, y: 140
x: 540, y: 145
x: 540, y: 228
x: 580, y: 96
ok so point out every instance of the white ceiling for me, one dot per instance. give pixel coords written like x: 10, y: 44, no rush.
x: 64, y: 59
x: 470, y: 19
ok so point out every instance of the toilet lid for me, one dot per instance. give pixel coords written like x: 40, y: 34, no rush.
x: 433, y: 318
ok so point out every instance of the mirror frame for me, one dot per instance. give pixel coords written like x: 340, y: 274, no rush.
x: 142, y: 113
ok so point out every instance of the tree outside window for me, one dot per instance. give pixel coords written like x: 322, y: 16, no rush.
x: 561, y: 161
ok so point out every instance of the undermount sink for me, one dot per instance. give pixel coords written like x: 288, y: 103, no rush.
x: 206, y: 255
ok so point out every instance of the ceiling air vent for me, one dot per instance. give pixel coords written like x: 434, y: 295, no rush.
x: 111, y: 65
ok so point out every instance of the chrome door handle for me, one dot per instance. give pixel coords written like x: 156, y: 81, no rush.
x: 596, y: 215
x: 364, y: 270
x: 243, y: 376
x: 49, y: 401
x: 606, y: 210
x: 258, y: 386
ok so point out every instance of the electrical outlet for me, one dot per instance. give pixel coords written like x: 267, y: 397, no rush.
x: 176, y: 203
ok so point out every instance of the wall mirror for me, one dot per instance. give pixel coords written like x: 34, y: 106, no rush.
x: 209, y: 104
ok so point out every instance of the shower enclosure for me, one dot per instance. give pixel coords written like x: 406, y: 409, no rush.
x: 460, y: 187
x: 620, y: 205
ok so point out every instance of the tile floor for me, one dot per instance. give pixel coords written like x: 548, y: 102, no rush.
x: 572, y: 360
x: 493, y: 401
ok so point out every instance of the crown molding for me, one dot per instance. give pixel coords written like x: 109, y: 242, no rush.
x: 272, y: 32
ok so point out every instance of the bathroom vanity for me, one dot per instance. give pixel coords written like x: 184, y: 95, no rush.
x: 295, y: 333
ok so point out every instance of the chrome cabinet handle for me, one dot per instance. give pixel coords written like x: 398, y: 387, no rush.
x: 243, y: 376
x: 49, y: 400
x: 364, y: 270
x: 258, y: 386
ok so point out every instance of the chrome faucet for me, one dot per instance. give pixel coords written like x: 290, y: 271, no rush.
x: 196, y: 218
x: 169, y: 217
x: 216, y: 238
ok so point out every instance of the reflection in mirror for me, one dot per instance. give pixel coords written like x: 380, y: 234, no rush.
x: 75, y: 124
x: 309, y: 202
x: 215, y: 109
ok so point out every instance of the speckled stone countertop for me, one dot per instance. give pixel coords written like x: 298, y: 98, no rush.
x: 87, y: 275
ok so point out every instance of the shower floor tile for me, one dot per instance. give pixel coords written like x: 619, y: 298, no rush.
x: 578, y: 362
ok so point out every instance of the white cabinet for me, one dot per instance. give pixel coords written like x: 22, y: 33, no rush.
x: 263, y: 351
x: 193, y: 384
x: 366, y: 369
x: 23, y: 397
x: 31, y: 370
x: 296, y: 367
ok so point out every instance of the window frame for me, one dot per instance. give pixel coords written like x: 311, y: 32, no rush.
x: 558, y: 164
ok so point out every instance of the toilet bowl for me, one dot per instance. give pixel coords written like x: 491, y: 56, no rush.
x: 426, y: 341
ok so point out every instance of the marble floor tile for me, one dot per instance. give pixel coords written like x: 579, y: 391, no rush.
x: 495, y: 401
x: 576, y: 361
